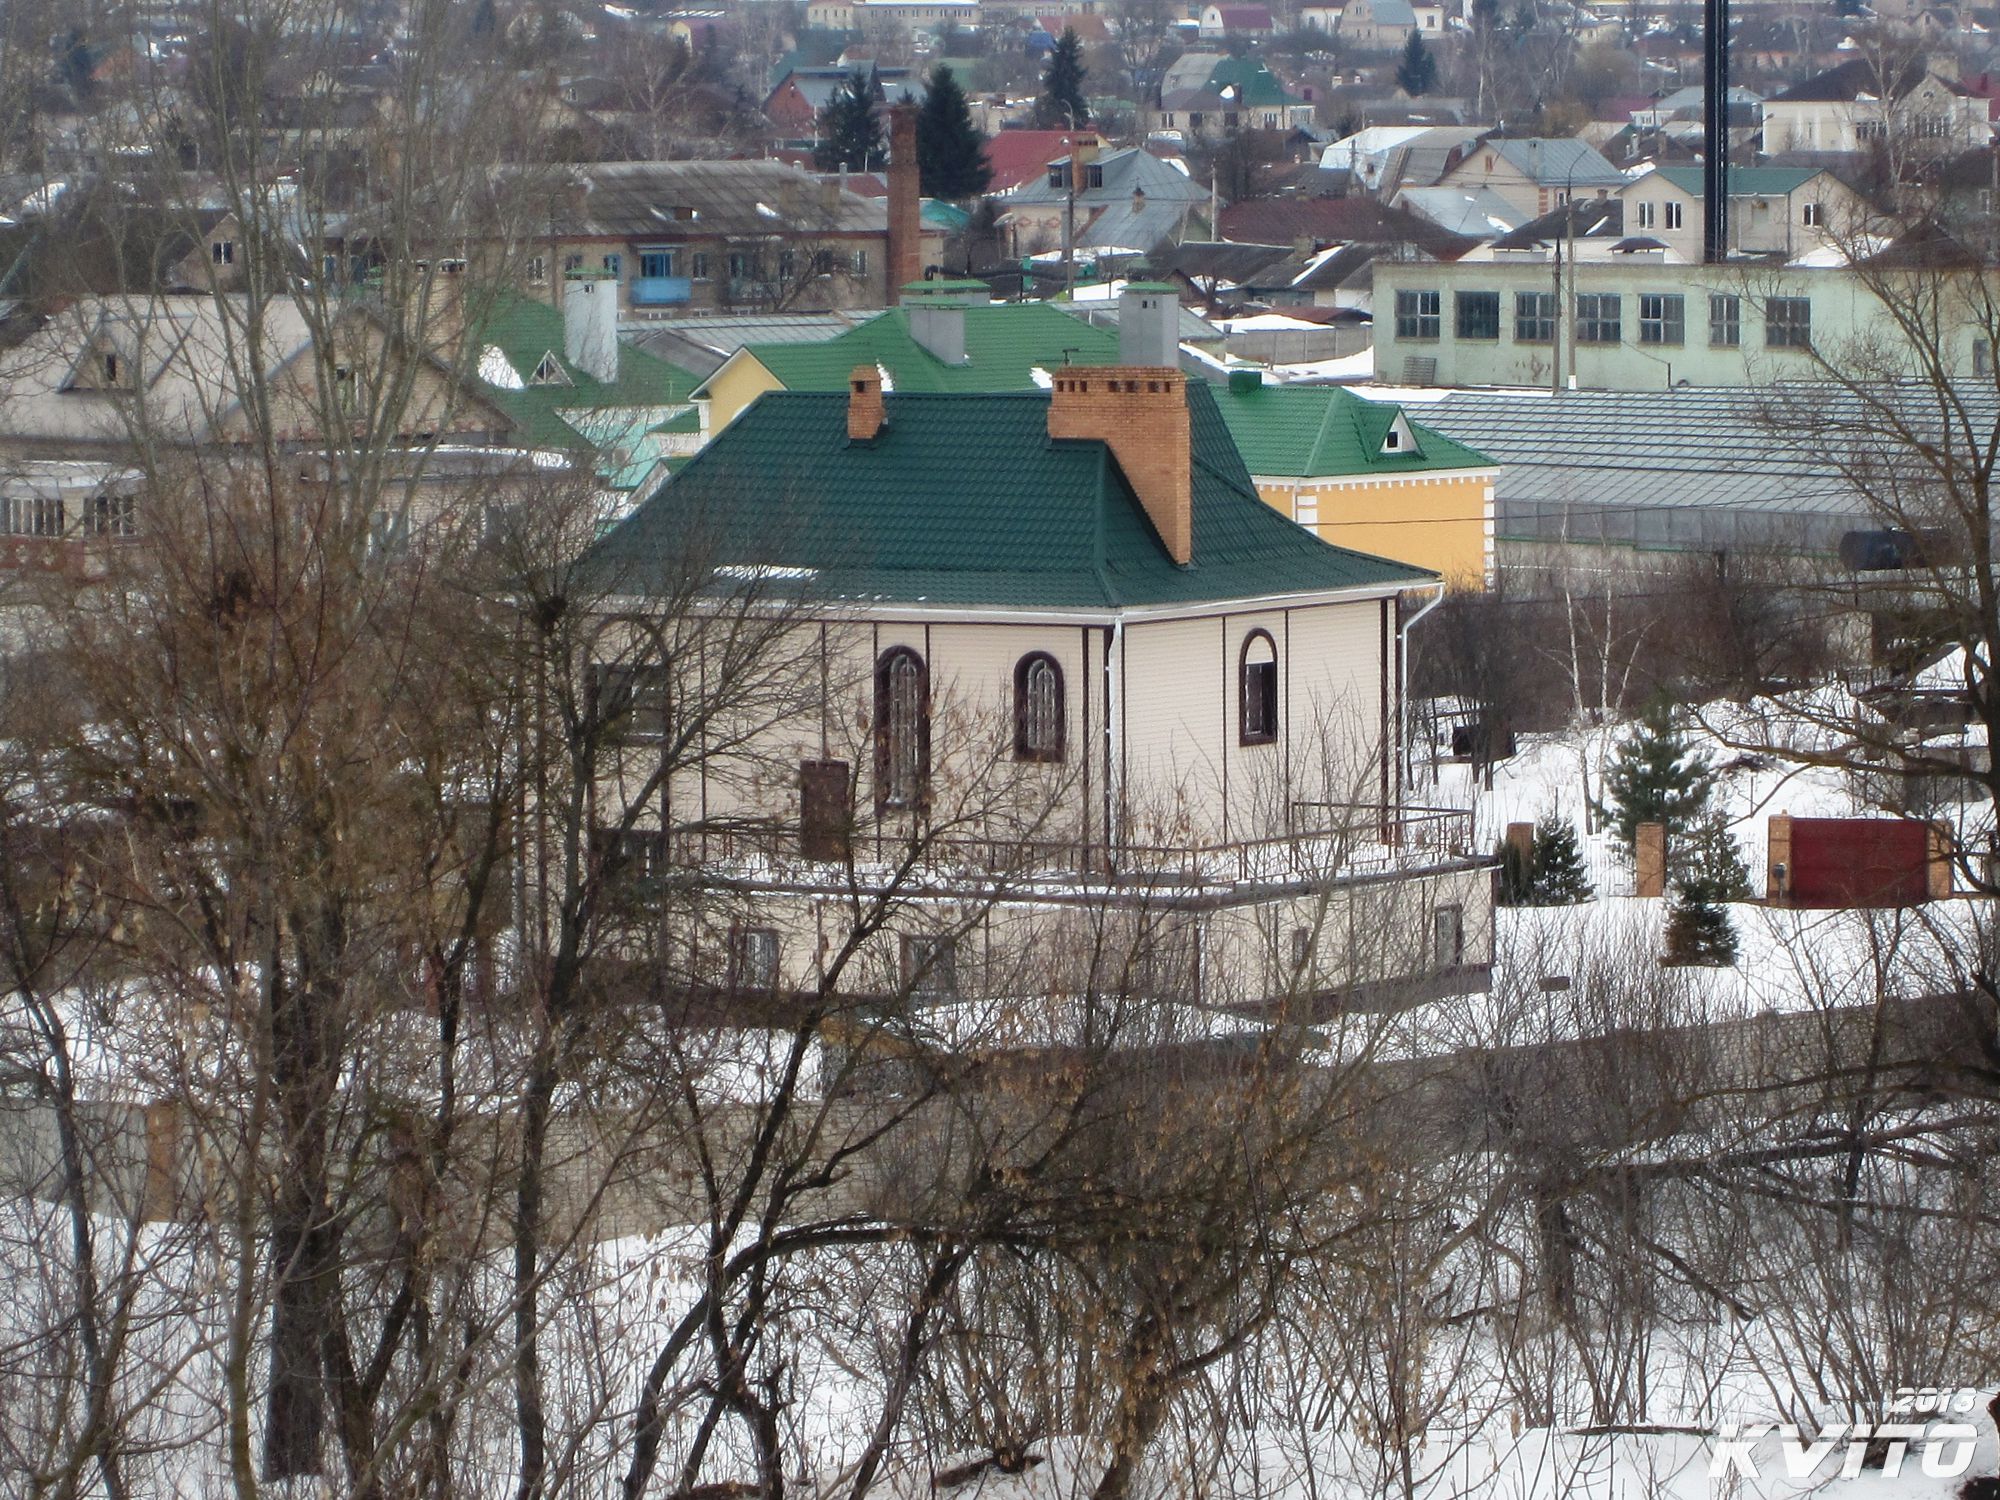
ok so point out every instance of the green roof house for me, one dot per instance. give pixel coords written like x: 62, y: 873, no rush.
x: 1361, y: 474
x: 567, y: 383
x: 945, y: 337
x: 1074, y: 594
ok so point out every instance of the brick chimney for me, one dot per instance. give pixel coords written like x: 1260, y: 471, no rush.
x: 864, y: 403
x: 906, y: 249
x: 1141, y: 412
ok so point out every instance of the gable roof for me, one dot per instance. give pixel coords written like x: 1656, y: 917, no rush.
x: 674, y: 199
x: 1858, y: 76
x: 1256, y: 85
x: 1280, y: 221
x: 1552, y: 161
x: 615, y: 417
x: 1018, y: 156
x: 966, y: 501
x: 1308, y: 431
x: 1004, y: 345
x: 1744, y: 182
x: 1585, y: 218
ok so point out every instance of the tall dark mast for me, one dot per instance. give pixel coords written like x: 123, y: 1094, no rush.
x: 1715, y: 134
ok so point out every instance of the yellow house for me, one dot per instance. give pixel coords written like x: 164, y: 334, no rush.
x: 1360, y: 474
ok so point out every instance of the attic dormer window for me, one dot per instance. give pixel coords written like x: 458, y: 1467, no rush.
x: 549, y: 371
x: 1093, y: 176
x: 224, y: 252
x: 1394, y: 441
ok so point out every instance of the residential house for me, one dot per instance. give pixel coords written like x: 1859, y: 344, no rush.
x: 1018, y: 156
x: 1196, y: 705
x: 795, y: 101
x: 568, y: 384
x: 945, y: 337
x: 1780, y: 211
x: 1635, y: 322
x: 72, y: 380
x: 1237, y: 93
x: 1534, y: 174
x: 1361, y: 474
x: 1219, y: 21
x: 1386, y: 24
x: 1127, y: 199
x: 1864, y: 101
x: 681, y: 236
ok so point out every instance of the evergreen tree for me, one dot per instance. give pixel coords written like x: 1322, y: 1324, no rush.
x: 1709, y: 872
x: 1655, y: 777
x: 850, y: 134
x: 1559, y: 878
x: 1062, y: 105
x: 951, y: 154
x: 1417, y: 72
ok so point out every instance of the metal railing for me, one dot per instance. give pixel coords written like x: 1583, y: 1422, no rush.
x: 1327, y: 841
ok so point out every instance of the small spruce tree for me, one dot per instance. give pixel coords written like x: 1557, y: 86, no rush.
x: 1417, y: 70
x: 951, y: 153
x: 1062, y: 105
x: 850, y: 135
x: 1709, y: 873
x: 1656, y: 776
x: 1559, y: 877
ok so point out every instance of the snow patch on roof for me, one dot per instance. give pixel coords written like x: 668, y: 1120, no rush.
x: 495, y: 369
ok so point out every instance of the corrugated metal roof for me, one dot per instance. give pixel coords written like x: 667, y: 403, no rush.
x: 1692, y: 466
x: 964, y: 500
x: 684, y: 199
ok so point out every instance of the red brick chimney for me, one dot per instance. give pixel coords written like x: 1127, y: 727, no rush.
x: 864, y: 403
x: 1141, y: 412
x: 906, y: 248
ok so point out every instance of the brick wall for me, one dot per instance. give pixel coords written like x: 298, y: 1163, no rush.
x: 1142, y: 413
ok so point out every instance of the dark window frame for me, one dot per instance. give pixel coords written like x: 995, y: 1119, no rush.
x: 1593, y: 326
x: 1476, y: 315
x: 1416, y: 319
x: 1788, y: 322
x: 743, y: 936
x: 1667, y: 325
x: 1725, y: 317
x: 930, y: 965
x: 1533, y: 313
x: 890, y: 794
x: 1257, y: 706
x: 1049, y: 746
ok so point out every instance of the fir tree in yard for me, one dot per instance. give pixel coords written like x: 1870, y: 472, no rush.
x: 1655, y: 777
x: 1708, y: 873
x: 1557, y: 875
x: 850, y: 134
x: 1416, y: 72
x: 951, y: 154
x: 1062, y: 105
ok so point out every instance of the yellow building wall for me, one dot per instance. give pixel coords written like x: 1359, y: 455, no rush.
x: 1441, y: 521
x: 731, y: 389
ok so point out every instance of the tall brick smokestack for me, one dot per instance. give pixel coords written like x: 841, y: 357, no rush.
x: 906, y: 249
x: 1141, y: 413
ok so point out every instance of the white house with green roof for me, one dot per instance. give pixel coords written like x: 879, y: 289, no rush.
x: 1361, y: 474
x: 1060, y: 668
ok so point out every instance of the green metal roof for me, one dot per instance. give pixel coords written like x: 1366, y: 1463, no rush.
x: 1004, y: 345
x: 1308, y: 431
x: 561, y: 415
x: 966, y: 501
x: 1745, y: 182
x: 1256, y: 85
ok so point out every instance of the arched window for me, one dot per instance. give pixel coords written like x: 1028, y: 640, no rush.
x: 902, y: 728
x: 1038, y: 708
x: 1259, y: 689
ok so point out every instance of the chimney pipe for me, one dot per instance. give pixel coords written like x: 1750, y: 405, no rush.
x: 1141, y: 414
x: 865, y: 413
x: 906, y: 251
x: 590, y: 323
